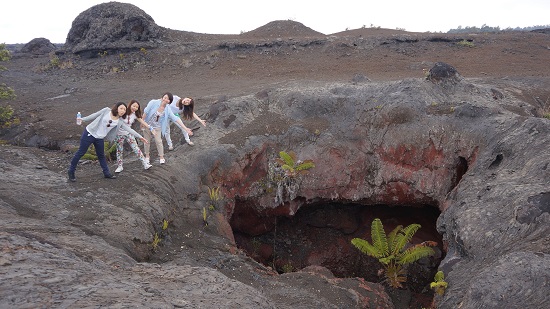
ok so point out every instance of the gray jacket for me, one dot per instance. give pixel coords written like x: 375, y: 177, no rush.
x: 96, y: 117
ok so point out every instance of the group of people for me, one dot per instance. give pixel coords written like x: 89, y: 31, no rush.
x: 114, y: 124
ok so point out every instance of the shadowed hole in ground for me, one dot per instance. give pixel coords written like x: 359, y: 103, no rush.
x: 320, y: 234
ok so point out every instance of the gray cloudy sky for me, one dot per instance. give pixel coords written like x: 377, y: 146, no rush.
x: 24, y: 20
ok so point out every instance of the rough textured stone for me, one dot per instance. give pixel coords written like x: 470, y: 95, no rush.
x: 442, y: 72
x: 38, y: 46
x: 112, y: 26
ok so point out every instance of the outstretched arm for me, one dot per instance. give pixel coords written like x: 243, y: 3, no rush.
x: 134, y: 133
x: 95, y: 115
x: 179, y: 123
x: 183, y: 127
x: 199, y: 119
x: 143, y: 124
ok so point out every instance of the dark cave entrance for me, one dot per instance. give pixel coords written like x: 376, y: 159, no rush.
x: 320, y: 234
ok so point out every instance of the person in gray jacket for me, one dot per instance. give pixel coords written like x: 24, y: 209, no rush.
x: 105, y: 125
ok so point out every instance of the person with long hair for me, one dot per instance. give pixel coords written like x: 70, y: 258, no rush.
x: 185, y: 108
x: 133, y: 113
x: 158, y: 116
x: 105, y: 125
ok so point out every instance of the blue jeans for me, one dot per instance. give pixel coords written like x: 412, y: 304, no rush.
x: 85, y: 141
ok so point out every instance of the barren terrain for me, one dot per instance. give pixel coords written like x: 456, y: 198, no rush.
x: 217, y: 68
x: 280, y: 53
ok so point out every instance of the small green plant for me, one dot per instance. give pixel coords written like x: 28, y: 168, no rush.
x: 54, y: 62
x: 110, y: 150
x: 143, y: 50
x: 465, y: 43
x: 547, y: 115
x: 291, y: 166
x: 284, y: 175
x: 164, y: 224
x: 426, y: 73
x: 392, y: 251
x: 121, y: 56
x: 6, y: 93
x: 439, y: 285
x: 155, y: 242
x: 287, y: 268
x: 7, y: 119
x: 215, y: 196
x: 102, y: 54
x: 204, y: 217
x: 5, y: 55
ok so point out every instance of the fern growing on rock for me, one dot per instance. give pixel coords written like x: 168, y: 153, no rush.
x: 439, y: 285
x: 287, y: 175
x: 110, y: 151
x: 291, y: 166
x: 392, y: 250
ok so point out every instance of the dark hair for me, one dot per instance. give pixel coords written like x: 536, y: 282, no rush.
x: 170, y: 96
x: 114, y: 110
x: 187, y: 109
x: 129, y: 109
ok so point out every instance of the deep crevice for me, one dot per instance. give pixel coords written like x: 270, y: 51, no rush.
x: 496, y: 162
x: 320, y: 234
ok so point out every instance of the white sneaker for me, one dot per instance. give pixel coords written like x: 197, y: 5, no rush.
x: 146, y: 160
x: 162, y: 161
x: 170, y: 147
x: 146, y: 166
x: 190, y: 143
x: 119, y: 169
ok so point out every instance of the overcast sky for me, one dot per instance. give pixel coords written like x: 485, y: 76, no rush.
x: 24, y: 20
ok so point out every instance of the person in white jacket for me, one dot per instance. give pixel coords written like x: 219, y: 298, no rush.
x: 157, y: 115
x: 182, y: 107
x: 105, y: 125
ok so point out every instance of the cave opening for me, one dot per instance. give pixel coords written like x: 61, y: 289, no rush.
x: 320, y: 234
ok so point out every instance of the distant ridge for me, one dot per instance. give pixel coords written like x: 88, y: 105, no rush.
x: 282, y: 28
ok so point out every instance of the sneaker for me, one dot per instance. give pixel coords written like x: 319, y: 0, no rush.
x: 72, y: 178
x: 190, y: 143
x: 146, y: 166
x: 170, y: 147
x: 162, y: 161
x: 111, y: 176
x: 119, y: 169
x: 146, y: 160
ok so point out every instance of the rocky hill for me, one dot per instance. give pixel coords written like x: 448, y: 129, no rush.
x: 445, y: 130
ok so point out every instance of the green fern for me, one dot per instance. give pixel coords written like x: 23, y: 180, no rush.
x: 391, y: 250
x: 379, y: 240
x: 155, y: 242
x: 291, y: 166
x: 439, y: 285
x: 110, y: 151
x: 216, y: 198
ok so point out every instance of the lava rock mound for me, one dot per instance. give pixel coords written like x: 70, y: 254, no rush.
x: 112, y: 26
